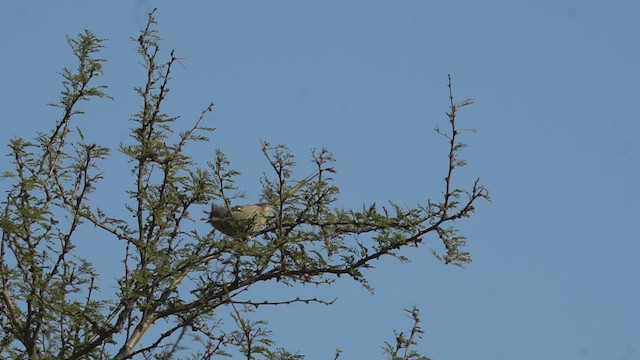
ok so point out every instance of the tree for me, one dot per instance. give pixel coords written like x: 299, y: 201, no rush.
x: 172, y: 271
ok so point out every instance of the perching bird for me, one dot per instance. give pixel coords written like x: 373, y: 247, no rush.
x: 242, y: 219
x: 248, y: 219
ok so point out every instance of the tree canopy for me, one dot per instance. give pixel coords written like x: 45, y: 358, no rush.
x: 192, y: 286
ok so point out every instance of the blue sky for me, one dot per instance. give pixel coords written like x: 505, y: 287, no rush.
x: 556, y: 83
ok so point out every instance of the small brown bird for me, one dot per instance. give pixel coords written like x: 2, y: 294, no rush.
x: 248, y: 219
x: 239, y: 220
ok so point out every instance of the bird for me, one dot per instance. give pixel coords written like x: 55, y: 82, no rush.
x: 248, y: 219
x: 239, y: 220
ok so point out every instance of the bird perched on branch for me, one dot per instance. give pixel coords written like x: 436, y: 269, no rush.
x: 239, y: 219
x: 248, y: 219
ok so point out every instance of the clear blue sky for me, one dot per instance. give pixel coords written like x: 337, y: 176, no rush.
x: 555, y: 272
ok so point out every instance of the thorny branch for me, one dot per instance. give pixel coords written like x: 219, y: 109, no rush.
x: 403, y: 347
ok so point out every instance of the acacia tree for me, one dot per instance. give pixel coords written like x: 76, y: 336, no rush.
x: 173, y: 272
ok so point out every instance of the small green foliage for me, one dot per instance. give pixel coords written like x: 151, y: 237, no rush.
x: 403, y: 348
x: 47, y: 289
